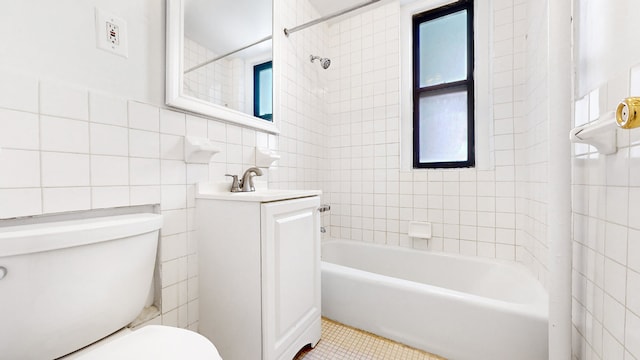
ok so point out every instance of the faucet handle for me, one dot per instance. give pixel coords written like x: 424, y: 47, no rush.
x: 235, y: 185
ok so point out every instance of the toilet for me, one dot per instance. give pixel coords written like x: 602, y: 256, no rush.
x: 68, y: 289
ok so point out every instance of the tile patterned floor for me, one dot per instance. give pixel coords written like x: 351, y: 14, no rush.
x: 341, y: 342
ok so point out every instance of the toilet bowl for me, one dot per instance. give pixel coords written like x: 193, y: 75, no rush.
x: 76, y: 284
x: 150, y: 342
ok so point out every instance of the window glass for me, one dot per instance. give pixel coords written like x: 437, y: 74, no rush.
x: 443, y: 87
x: 443, y: 49
x: 262, y: 91
x: 443, y: 127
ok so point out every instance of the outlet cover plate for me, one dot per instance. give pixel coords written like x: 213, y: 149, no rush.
x: 111, y: 33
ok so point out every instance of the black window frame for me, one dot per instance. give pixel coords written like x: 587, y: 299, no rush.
x: 256, y: 89
x: 443, y: 88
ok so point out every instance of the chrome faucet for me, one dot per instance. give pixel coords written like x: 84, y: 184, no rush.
x: 247, y: 179
x: 246, y: 183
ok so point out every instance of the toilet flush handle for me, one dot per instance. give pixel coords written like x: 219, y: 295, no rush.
x: 3, y: 272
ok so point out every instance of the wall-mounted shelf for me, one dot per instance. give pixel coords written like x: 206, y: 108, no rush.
x: 266, y: 157
x: 199, y: 150
x: 419, y: 229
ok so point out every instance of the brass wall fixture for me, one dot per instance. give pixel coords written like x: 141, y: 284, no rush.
x: 628, y: 113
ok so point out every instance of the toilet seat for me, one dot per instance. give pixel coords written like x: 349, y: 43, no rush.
x: 155, y: 342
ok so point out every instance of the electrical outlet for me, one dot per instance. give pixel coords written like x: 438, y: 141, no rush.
x: 111, y: 33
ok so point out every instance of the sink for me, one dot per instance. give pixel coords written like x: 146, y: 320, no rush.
x: 220, y: 191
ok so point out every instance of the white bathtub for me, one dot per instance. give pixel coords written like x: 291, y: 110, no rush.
x: 462, y: 308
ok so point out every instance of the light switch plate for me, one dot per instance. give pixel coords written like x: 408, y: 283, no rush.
x: 111, y: 33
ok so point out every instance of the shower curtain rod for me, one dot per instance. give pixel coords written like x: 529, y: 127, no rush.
x: 328, y: 17
x: 227, y: 54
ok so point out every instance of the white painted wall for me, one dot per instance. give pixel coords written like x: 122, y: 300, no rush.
x: 56, y: 40
x: 606, y: 38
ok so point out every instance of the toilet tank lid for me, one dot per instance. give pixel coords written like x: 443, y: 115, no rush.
x: 45, y: 236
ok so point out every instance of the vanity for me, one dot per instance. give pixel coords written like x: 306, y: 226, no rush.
x: 259, y: 271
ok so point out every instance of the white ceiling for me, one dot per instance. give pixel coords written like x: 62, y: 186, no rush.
x: 326, y: 7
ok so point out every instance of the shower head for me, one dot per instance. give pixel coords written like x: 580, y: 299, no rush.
x: 324, y: 62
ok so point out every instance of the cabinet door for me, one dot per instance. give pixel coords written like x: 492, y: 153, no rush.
x: 290, y: 275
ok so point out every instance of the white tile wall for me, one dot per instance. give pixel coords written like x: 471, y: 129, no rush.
x: 59, y: 134
x: 606, y: 261
x: 303, y: 112
x: 529, y: 127
x: 82, y: 149
x: 472, y: 211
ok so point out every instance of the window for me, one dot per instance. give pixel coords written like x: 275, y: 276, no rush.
x: 262, y: 91
x: 443, y: 100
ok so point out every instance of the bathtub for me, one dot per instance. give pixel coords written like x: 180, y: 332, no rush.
x: 461, y: 308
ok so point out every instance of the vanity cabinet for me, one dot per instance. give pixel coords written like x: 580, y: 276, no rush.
x: 259, y: 273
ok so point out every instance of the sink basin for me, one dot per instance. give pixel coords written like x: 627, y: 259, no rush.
x: 221, y: 192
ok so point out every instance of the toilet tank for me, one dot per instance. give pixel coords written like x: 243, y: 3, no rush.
x: 66, y: 284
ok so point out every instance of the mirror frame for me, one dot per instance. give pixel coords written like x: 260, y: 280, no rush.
x: 175, y: 96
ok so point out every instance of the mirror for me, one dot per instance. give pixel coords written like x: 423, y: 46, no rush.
x: 219, y: 60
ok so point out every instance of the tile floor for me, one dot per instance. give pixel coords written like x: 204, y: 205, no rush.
x: 341, y: 342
